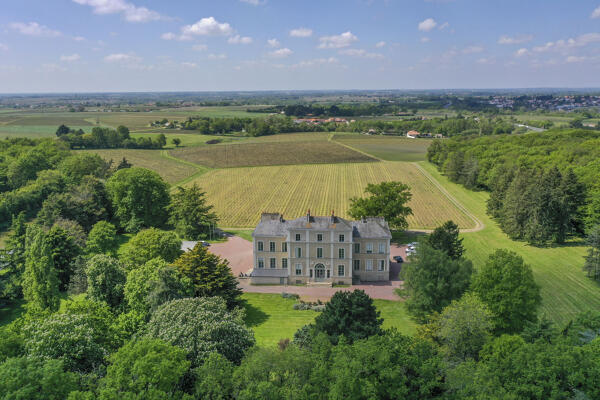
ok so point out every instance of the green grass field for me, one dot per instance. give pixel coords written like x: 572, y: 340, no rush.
x: 240, y: 195
x: 269, y: 153
x: 390, y: 148
x: 566, y: 290
x: 272, y: 317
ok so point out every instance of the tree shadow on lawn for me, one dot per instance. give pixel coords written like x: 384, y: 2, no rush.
x: 254, y: 316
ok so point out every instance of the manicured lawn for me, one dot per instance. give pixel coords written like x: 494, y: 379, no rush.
x: 272, y: 317
x: 566, y: 290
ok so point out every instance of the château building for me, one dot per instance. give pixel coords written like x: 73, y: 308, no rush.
x: 315, y: 249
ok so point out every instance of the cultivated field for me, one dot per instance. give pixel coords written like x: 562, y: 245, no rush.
x: 566, y: 290
x: 269, y: 153
x: 241, y: 194
x: 172, y: 171
x: 390, y: 148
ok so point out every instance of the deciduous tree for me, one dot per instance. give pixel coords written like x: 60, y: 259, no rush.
x: 151, y: 243
x: 386, y: 199
x: 106, y: 279
x: 40, y: 280
x: 190, y: 215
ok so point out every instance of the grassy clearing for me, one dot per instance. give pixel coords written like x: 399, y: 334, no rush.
x: 566, y: 290
x: 172, y: 171
x: 243, y: 233
x: 240, y: 195
x: 269, y: 153
x: 32, y: 131
x: 272, y: 317
x: 390, y: 148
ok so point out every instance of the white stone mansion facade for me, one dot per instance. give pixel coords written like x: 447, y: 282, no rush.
x: 320, y: 249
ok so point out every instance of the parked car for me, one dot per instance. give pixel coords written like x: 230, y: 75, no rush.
x: 398, y: 259
x: 205, y: 243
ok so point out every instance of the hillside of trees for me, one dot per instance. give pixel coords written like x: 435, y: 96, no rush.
x: 544, y: 187
x: 107, y: 138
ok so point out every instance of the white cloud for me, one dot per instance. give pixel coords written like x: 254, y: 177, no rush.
x: 254, y: 2
x: 207, y: 27
x: 3, y: 47
x: 217, y: 56
x: 425, y: 39
x: 169, y: 36
x: 273, y: 43
x: 427, y: 25
x: 122, y: 58
x: 576, y: 59
x: 200, y: 47
x: 519, y: 39
x: 189, y: 64
x: 565, y: 45
x: 53, y: 68
x: 301, y: 32
x: 521, y: 52
x: 380, y: 44
x: 360, y: 53
x: 281, y: 53
x: 34, y: 29
x: 444, y: 26
x: 337, y: 41
x: 316, y: 62
x: 70, y: 58
x: 472, y: 50
x: 79, y: 38
x: 130, y: 12
x: 237, y: 39
x: 596, y: 13
x: 486, y: 60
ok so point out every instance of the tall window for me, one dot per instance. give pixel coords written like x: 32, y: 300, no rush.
x: 319, y: 252
x: 319, y: 237
x: 369, y: 265
x: 298, y: 269
x: 381, y: 265
x: 356, y: 265
x: 261, y: 263
x: 369, y: 248
x: 341, y: 253
x: 381, y: 248
x: 340, y: 270
x: 271, y: 247
x: 260, y: 246
x: 284, y: 247
x: 297, y: 237
x: 273, y: 262
x: 357, y: 248
x: 298, y: 252
x: 341, y: 238
x: 284, y: 263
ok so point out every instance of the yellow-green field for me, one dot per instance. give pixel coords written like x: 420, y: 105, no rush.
x: 239, y: 195
x: 390, y: 148
x: 171, y: 170
x: 270, y: 153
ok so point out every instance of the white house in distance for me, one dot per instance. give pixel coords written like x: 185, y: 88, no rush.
x: 320, y: 250
x: 412, y: 134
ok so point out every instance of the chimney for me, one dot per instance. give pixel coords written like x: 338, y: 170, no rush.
x: 308, y: 215
x: 363, y: 219
x: 332, y: 217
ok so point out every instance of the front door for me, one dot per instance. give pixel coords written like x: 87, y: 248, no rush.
x: 319, y: 272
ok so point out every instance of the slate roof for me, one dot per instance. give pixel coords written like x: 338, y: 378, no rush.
x: 273, y: 224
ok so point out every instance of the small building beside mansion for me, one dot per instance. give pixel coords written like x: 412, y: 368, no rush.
x: 320, y: 249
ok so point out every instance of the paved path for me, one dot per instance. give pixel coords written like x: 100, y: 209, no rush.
x: 238, y: 252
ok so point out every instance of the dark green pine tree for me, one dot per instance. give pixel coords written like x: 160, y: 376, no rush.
x: 592, y: 260
x: 10, y: 280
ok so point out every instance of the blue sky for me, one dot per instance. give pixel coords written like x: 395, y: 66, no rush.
x: 151, y: 45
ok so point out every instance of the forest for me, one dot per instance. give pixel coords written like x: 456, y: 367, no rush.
x: 543, y: 186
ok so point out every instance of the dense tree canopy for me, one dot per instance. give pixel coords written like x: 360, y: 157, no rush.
x: 102, y: 239
x: 386, y: 199
x: 349, y: 314
x: 192, y: 218
x: 200, y: 326
x: 446, y: 238
x: 432, y: 280
x: 506, y: 285
x: 105, y: 279
x: 209, y: 274
x: 139, y: 197
x: 40, y: 279
x: 151, y: 243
